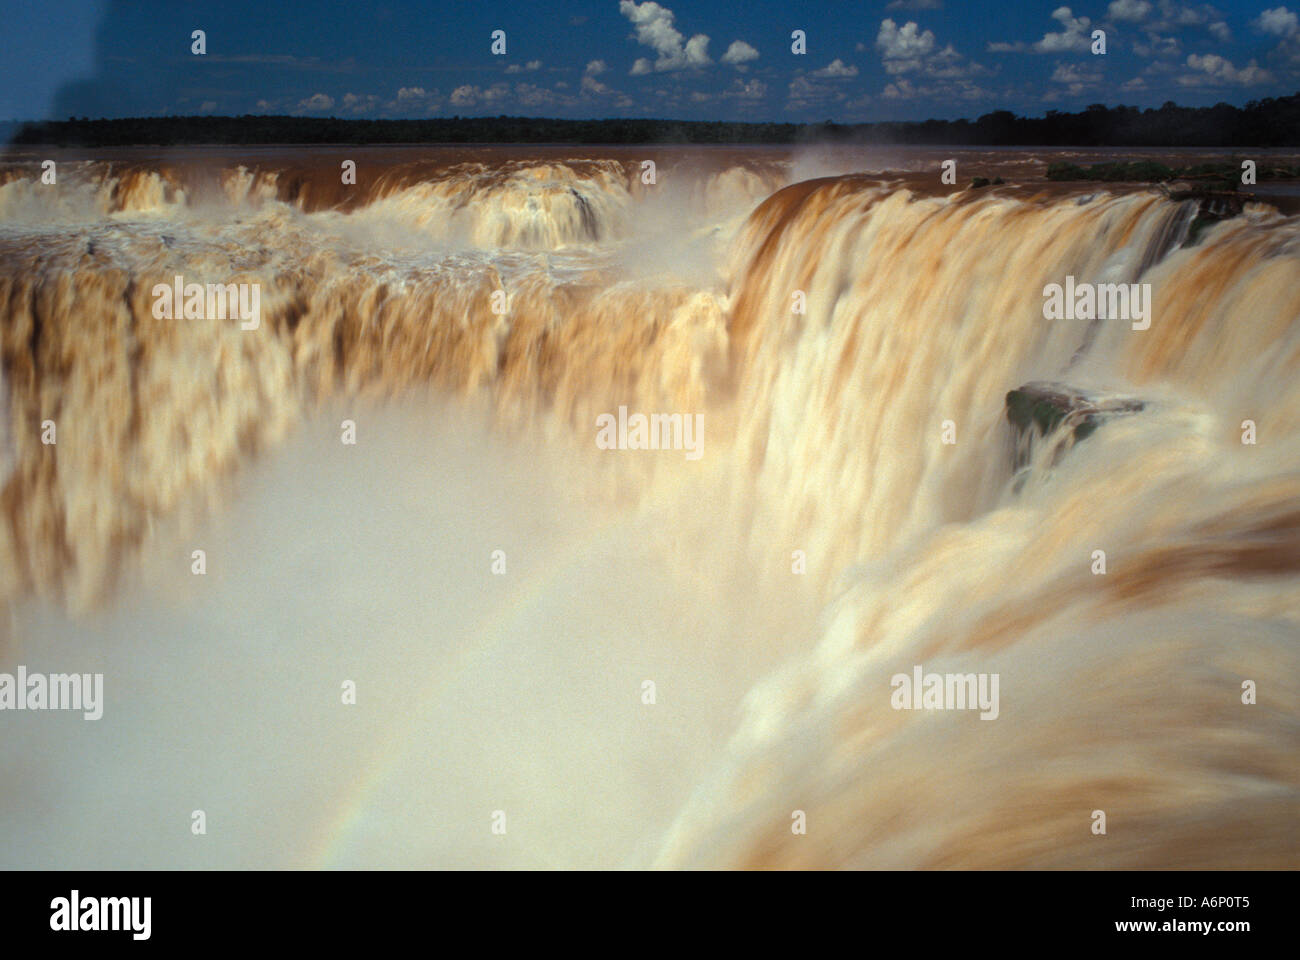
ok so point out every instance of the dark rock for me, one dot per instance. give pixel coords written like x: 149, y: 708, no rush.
x: 1068, y: 415
x: 1212, y: 205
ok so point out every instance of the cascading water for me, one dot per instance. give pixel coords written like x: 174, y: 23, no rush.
x: 823, y: 439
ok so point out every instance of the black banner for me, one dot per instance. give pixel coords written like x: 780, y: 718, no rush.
x: 977, y: 910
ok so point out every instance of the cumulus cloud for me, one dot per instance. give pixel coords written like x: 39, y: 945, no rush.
x: 750, y: 91
x: 901, y: 48
x: 1158, y: 46
x: 1175, y: 16
x: 739, y: 52
x: 409, y: 100
x: 532, y: 95
x: 1130, y: 11
x: 464, y: 96
x: 836, y: 68
x: 903, y: 88
x: 655, y: 29
x: 909, y: 49
x: 589, y: 82
x: 528, y: 67
x: 1075, y: 78
x: 900, y: 89
x: 1278, y: 21
x: 1074, y: 36
x: 316, y: 103
x: 805, y: 93
x: 1216, y: 70
x: 948, y: 64
x: 469, y: 95
x: 1156, y: 19
x: 356, y: 104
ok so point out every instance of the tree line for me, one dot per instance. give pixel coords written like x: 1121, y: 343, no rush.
x: 1272, y: 122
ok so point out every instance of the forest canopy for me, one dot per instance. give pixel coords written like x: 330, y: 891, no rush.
x: 1273, y: 122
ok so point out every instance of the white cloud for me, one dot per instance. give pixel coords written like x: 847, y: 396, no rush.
x: 1158, y: 46
x: 464, y: 96
x: 207, y: 106
x: 1075, y: 36
x: 739, y: 52
x: 532, y: 95
x: 948, y: 64
x: 1175, y: 16
x: 836, y: 68
x: 528, y: 67
x: 1075, y: 78
x: 1216, y: 70
x: 914, y: 5
x: 901, y: 48
x: 904, y: 89
x: 642, y: 66
x: 1128, y: 10
x: 356, y: 103
x: 469, y: 95
x: 908, y: 49
x: 589, y: 82
x: 755, y: 89
x: 316, y: 102
x: 801, y: 88
x: 655, y: 29
x: 806, y: 93
x: 1072, y: 73
x: 1278, y: 21
x: 900, y: 89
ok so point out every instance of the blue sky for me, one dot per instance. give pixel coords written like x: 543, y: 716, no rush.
x: 724, y: 59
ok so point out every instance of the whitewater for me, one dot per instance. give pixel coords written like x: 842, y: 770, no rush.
x: 642, y: 658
